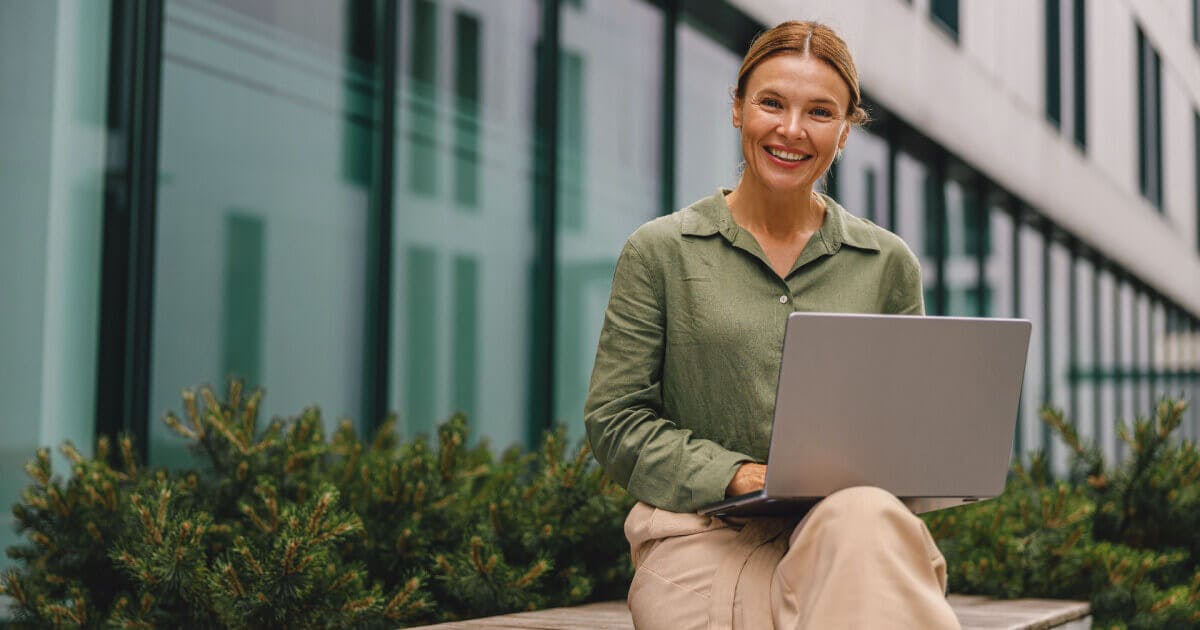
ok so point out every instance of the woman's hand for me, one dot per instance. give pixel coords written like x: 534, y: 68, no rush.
x: 748, y: 478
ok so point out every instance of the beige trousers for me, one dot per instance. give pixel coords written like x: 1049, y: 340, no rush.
x: 858, y: 559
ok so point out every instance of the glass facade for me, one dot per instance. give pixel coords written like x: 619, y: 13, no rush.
x: 416, y: 205
x: 53, y: 112
x: 263, y: 188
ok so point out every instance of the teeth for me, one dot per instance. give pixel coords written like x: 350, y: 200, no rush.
x: 786, y: 155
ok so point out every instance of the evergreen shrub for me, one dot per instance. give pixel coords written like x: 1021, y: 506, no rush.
x: 285, y: 527
x: 1126, y: 537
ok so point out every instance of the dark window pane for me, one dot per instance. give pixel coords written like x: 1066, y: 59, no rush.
x: 467, y: 92
x: 1053, y: 26
x: 945, y: 13
x: 1149, y: 121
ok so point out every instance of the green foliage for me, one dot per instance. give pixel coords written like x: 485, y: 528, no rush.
x: 284, y: 527
x: 1124, y: 538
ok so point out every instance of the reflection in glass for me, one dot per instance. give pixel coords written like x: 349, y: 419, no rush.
x: 1106, y: 298
x: 267, y: 116
x: 610, y: 91
x: 1125, y: 359
x: 707, y: 148
x: 54, y: 78
x: 1060, y: 346
x: 963, y: 240
x: 913, y: 211
x: 1084, y: 368
x: 463, y: 239
x: 1031, y: 244
x: 862, y: 173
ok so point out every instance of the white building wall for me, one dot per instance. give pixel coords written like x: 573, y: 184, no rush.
x: 982, y: 101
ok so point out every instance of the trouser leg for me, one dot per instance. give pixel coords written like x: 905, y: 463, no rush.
x: 860, y: 559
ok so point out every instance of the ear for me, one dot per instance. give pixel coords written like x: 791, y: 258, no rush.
x: 845, y: 135
x: 737, y: 113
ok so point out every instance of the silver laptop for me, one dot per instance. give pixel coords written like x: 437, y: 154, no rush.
x: 924, y: 407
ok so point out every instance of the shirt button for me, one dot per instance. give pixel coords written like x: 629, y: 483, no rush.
x: 783, y: 299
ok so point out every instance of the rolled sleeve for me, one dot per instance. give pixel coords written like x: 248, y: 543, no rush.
x: 650, y: 455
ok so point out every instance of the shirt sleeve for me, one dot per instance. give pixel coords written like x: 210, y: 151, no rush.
x: 906, y: 293
x: 655, y: 460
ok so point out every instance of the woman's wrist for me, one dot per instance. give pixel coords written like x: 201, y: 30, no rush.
x: 750, y: 477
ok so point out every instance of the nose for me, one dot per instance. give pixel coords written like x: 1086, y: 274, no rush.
x: 791, y: 126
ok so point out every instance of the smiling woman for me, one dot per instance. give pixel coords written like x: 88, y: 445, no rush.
x: 682, y: 393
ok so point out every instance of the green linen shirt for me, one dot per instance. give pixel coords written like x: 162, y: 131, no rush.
x: 683, y: 387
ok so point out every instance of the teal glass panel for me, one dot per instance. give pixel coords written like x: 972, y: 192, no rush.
x: 610, y: 91
x: 421, y: 333
x: 1105, y: 360
x: 961, y: 268
x: 708, y: 151
x: 263, y: 192
x: 914, y: 220
x: 862, y: 176
x: 1030, y: 287
x: 1059, y: 348
x: 242, y: 294
x: 1082, y: 372
x: 53, y: 104
x: 462, y: 233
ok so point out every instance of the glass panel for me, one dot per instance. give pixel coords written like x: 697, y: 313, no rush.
x: 962, y: 268
x: 464, y: 236
x: 267, y: 116
x: 862, y: 176
x: 611, y: 91
x: 1033, y: 392
x: 1125, y: 359
x: 1143, y: 395
x: 1060, y: 346
x: 1085, y: 369
x: 913, y: 221
x: 998, y: 266
x: 54, y: 69
x: 1108, y: 409
x: 707, y: 148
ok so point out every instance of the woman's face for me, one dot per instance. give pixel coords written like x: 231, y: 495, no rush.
x: 793, y: 121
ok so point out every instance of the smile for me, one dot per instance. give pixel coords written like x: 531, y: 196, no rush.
x: 787, y: 156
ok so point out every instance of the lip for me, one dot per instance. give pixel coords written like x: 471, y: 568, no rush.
x: 783, y: 163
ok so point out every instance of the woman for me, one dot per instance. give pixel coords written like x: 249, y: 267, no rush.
x: 682, y: 394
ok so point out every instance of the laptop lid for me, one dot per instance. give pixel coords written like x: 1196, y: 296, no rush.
x: 920, y: 406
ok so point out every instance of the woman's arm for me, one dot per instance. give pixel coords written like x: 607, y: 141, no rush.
x: 655, y: 460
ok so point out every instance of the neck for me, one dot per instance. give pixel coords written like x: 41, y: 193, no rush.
x: 760, y: 210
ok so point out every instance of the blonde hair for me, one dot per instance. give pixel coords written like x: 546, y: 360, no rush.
x: 806, y: 38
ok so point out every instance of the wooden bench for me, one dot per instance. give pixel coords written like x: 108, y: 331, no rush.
x: 974, y: 612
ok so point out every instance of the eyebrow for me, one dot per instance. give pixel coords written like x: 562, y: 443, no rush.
x: 820, y: 99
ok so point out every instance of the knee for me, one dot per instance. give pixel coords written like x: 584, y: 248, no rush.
x: 860, y: 508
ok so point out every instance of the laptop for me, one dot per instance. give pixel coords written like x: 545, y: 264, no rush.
x: 923, y: 407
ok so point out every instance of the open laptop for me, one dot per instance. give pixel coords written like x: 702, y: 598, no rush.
x: 923, y: 407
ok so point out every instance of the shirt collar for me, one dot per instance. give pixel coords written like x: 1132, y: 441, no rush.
x: 712, y: 216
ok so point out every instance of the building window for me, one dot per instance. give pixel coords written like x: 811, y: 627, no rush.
x: 1149, y: 121
x: 1053, y: 63
x: 1196, y: 22
x: 468, y: 93
x: 945, y: 14
x: 1066, y: 70
x: 1079, y: 68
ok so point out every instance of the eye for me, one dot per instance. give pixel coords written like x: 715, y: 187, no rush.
x: 771, y: 102
x: 821, y: 112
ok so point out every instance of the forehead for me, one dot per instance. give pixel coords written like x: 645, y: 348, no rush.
x: 798, y: 75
